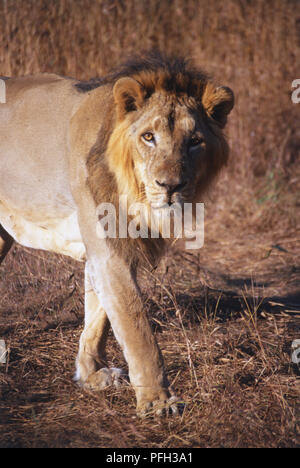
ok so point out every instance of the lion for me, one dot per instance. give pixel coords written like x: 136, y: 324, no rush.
x: 152, y: 129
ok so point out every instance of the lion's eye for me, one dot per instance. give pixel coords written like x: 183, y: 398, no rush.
x: 195, y: 141
x: 148, y: 137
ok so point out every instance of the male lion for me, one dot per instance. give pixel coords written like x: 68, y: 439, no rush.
x: 150, y: 130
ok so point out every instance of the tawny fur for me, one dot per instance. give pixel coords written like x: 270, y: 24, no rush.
x: 67, y: 146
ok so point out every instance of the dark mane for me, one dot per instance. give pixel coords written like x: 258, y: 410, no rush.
x: 86, y: 86
x: 154, y: 70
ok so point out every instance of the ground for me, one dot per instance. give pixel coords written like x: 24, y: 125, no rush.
x: 225, y: 318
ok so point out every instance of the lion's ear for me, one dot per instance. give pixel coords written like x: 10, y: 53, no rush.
x: 218, y: 102
x: 129, y: 95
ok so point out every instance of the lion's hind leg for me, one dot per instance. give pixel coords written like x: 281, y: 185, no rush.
x: 92, y: 373
x: 6, y: 241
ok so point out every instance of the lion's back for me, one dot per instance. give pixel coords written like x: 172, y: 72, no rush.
x: 33, y: 128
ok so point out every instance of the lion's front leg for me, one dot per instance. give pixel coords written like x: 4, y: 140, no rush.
x: 91, y: 370
x: 114, y: 285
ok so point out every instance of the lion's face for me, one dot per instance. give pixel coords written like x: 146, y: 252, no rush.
x: 171, y: 146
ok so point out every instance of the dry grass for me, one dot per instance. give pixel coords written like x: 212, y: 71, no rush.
x: 225, y: 318
x: 227, y: 354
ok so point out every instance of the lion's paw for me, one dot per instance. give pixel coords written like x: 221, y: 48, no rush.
x: 169, y: 407
x: 105, y: 378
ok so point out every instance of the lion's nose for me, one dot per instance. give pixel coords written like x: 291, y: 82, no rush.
x: 171, y: 186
